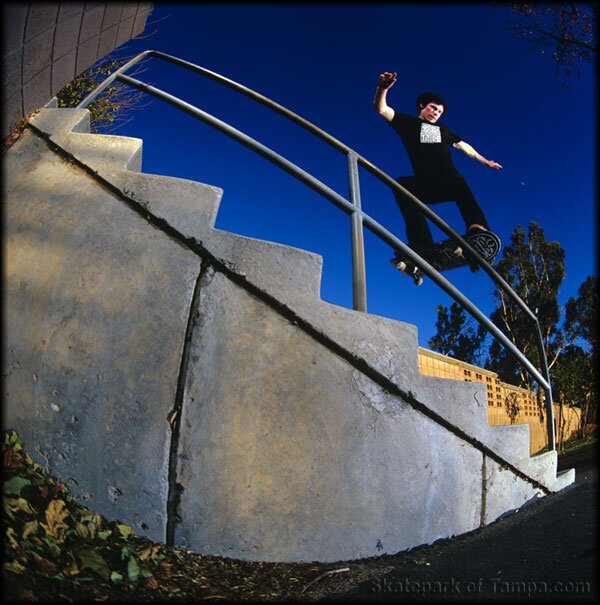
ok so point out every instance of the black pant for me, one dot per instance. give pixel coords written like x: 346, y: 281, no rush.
x: 433, y: 191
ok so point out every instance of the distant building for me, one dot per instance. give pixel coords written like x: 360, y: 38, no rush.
x: 506, y: 403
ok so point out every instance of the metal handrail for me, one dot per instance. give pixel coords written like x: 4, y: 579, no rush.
x: 359, y: 219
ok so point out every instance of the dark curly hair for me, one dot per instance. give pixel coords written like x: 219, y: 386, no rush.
x: 430, y: 97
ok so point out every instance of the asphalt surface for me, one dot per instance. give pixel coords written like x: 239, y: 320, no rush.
x: 545, y: 552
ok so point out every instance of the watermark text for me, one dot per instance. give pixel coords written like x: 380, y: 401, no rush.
x: 497, y: 586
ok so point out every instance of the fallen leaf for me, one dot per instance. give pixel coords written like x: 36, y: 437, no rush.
x: 30, y: 528
x: 19, y: 505
x: 94, y: 561
x: 133, y: 570
x: 51, y: 491
x: 144, y: 554
x: 55, y: 518
x: 46, y: 566
x: 116, y: 577
x: 72, y: 569
x: 14, y: 566
x: 14, y: 486
x: 125, y: 530
x: 10, y: 458
x: 163, y: 570
x: 82, y: 530
x: 151, y: 583
x: 12, y: 538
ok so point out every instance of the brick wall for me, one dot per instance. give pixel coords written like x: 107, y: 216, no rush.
x: 525, y: 409
x: 47, y: 44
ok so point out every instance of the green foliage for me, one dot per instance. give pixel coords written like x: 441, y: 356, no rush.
x: 576, y: 375
x: 456, y: 336
x: 113, y: 106
x: 573, y: 376
x: 581, y: 316
x: 535, y: 269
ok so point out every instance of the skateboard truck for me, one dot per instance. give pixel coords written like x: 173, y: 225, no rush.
x: 409, y: 269
x: 446, y: 255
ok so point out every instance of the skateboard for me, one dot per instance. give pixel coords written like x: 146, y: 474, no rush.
x: 449, y: 255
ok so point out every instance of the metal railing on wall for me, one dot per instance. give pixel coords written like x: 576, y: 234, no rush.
x: 359, y: 220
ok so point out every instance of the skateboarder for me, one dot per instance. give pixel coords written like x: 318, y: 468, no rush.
x: 436, y: 178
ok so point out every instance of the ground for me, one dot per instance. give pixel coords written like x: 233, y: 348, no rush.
x: 57, y: 550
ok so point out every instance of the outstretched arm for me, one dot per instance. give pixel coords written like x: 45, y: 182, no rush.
x: 386, y: 81
x: 466, y: 148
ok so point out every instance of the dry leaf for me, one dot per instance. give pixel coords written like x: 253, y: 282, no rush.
x: 10, y: 459
x: 46, y: 566
x: 151, y: 583
x: 55, y: 518
x: 30, y: 528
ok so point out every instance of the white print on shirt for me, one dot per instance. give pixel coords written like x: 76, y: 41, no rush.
x: 430, y: 133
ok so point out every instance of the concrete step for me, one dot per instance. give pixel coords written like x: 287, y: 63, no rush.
x: 188, y: 206
x: 61, y: 121
x: 563, y: 479
x: 104, y: 154
x: 275, y: 268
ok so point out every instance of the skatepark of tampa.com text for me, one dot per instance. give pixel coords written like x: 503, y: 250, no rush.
x: 498, y: 586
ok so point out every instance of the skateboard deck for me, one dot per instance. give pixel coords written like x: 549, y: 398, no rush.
x: 448, y: 254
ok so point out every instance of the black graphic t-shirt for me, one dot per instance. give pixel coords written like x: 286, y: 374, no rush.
x: 427, y: 145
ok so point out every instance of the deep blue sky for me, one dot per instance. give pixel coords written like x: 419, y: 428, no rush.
x: 322, y: 62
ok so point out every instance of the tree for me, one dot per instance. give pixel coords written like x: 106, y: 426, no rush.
x: 565, y: 29
x: 573, y: 383
x: 577, y: 376
x: 581, y: 314
x: 511, y: 403
x: 113, y: 107
x: 456, y: 336
x: 535, y: 269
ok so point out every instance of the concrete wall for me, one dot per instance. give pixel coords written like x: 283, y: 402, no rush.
x: 47, y: 44
x: 191, y: 382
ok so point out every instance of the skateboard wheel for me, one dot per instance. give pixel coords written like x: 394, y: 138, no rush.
x: 418, y: 280
x: 401, y: 265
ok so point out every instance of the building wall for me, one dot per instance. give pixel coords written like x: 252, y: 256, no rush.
x: 47, y: 44
x: 506, y: 403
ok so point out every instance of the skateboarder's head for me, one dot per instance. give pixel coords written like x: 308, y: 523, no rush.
x: 431, y: 106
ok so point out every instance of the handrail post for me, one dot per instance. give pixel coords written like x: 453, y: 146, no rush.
x: 359, y: 279
x: 549, y: 404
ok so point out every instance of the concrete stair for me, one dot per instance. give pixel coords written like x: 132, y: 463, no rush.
x: 431, y: 432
